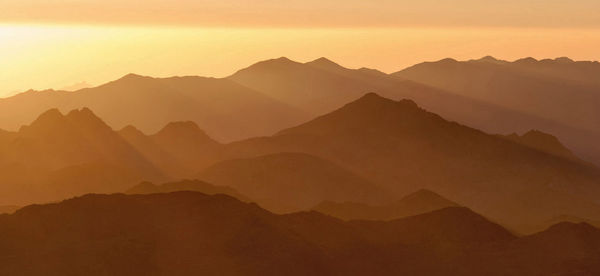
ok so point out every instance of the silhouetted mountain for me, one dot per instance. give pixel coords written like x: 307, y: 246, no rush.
x: 555, y: 96
x: 401, y: 147
x: 189, y: 233
x: 185, y: 185
x: 422, y: 201
x: 285, y: 182
x: 9, y: 209
x: 320, y: 86
x: 544, y: 142
x: 186, y: 142
x: 150, y: 103
x: 59, y: 156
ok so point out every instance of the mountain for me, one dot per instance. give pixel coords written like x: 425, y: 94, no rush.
x: 543, y: 142
x: 402, y: 147
x: 9, y: 209
x: 185, y: 141
x: 179, y: 148
x: 419, y: 202
x: 150, y: 103
x: 188, y: 233
x: 321, y: 86
x: 59, y: 156
x: 184, y: 185
x: 557, y: 96
x: 285, y: 182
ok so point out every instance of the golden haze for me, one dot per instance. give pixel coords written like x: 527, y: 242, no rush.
x: 55, y: 56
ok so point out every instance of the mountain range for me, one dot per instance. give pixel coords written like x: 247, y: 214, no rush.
x: 371, y: 151
x: 187, y: 233
x: 558, y: 96
x: 402, y: 148
x: 419, y: 202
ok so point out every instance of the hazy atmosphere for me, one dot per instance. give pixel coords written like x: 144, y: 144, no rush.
x: 422, y: 138
x: 97, y: 41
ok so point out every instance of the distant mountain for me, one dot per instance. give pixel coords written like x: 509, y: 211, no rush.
x: 556, y: 96
x: 179, y: 148
x: 420, y: 202
x: 186, y: 233
x: 59, y: 156
x: 403, y: 148
x: 150, y: 103
x: 488, y: 94
x: 285, y: 182
x: 543, y: 142
x: 321, y: 86
x: 185, y: 185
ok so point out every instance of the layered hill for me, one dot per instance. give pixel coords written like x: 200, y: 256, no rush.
x: 187, y: 233
x: 562, y: 92
x: 184, y: 185
x: 543, y: 142
x: 62, y: 155
x: 179, y: 148
x: 403, y: 148
x: 285, y: 182
x: 419, y: 202
x: 150, y: 103
x: 555, y: 96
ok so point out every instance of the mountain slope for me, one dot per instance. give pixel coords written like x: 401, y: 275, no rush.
x: 404, y: 148
x: 184, y: 185
x: 59, y: 156
x: 285, y: 182
x: 543, y: 142
x: 562, y: 92
x: 150, y: 103
x: 422, y: 201
x: 188, y: 233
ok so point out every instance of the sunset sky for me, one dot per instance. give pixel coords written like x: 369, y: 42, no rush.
x: 53, y: 44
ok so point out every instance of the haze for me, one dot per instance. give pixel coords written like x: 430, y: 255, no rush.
x: 58, y: 45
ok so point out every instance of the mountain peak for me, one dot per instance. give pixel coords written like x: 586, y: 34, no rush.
x: 543, y: 142
x: 564, y: 60
x: 182, y: 125
x: 132, y: 76
x: 374, y: 98
x: 85, y: 117
x: 581, y: 229
x: 131, y: 131
x: 50, y: 115
x: 323, y: 62
x: 187, y: 130
x: 527, y: 60
x: 488, y: 59
x: 448, y: 60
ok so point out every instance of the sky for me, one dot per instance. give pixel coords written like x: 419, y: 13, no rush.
x: 56, y: 43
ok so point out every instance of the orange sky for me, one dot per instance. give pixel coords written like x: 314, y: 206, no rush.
x: 52, y: 44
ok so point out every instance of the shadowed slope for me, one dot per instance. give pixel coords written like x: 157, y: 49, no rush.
x: 285, y: 182
x: 188, y: 233
x: 543, y: 142
x: 58, y: 156
x: 150, y: 103
x: 402, y: 147
x: 560, y: 91
x: 422, y: 201
x: 185, y: 185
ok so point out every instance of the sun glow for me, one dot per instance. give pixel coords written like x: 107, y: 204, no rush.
x: 54, y: 56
